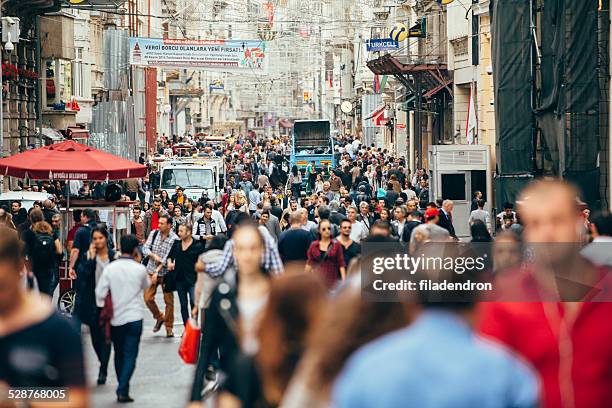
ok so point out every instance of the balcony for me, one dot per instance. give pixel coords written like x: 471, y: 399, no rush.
x: 32, y: 7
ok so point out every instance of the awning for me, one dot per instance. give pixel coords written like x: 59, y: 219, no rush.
x: 378, y: 117
x: 438, y: 88
x: 70, y: 160
x: 77, y: 133
x: 380, y: 109
x: 33, y: 7
x: 52, y: 134
x: 404, y: 105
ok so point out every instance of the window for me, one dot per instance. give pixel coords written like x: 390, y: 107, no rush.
x: 187, y: 178
x: 58, y: 81
x: 51, y: 87
x: 460, y: 46
x: 453, y: 186
x: 165, y: 30
x: 77, y: 68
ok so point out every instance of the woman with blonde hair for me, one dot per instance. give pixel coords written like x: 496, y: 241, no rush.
x: 6, y: 219
x: 241, y: 202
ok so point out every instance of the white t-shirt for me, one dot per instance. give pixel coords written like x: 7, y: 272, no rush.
x: 75, y: 186
x: 359, y: 231
x: 410, y: 194
x: 254, y: 199
x: 126, y: 279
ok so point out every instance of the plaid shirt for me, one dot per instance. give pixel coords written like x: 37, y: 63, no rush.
x: 271, y: 259
x: 160, y: 248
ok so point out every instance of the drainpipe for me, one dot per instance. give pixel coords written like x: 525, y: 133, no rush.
x: 38, y: 90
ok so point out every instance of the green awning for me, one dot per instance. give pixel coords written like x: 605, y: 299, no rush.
x: 404, y: 105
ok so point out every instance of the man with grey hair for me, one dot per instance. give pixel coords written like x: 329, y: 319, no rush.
x: 359, y: 231
x: 306, y: 223
x: 327, y: 191
x: 427, y: 233
x: 446, y: 217
x: 293, y: 244
x: 364, y: 214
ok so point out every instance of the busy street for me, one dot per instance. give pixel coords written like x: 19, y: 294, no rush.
x: 305, y: 204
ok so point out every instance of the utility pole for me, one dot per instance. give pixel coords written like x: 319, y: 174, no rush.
x: 1, y: 95
x: 610, y: 125
x: 417, y: 121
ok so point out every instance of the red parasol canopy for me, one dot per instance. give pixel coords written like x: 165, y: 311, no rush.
x: 70, y: 160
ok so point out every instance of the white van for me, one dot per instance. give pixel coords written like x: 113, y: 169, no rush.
x: 194, y: 175
x: 26, y: 198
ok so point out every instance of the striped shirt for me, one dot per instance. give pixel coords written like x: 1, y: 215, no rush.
x: 271, y: 259
x: 161, y: 247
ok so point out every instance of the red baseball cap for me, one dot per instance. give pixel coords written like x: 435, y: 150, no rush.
x: 431, y: 213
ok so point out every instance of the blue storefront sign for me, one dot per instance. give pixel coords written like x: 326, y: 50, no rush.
x: 381, y: 44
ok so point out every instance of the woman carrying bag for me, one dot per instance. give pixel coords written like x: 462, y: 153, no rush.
x: 89, y: 271
x: 231, y: 320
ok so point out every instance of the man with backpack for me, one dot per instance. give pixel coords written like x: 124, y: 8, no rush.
x: 156, y: 249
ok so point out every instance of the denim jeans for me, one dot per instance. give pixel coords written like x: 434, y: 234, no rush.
x: 183, y: 289
x: 126, y: 339
x: 295, y: 190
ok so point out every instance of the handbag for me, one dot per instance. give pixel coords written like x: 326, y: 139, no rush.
x: 105, y: 317
x: 145, y: 259
x: 169, y: 279
x: 190, y: 343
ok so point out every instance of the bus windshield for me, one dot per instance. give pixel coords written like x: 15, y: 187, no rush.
x: 187, y: 178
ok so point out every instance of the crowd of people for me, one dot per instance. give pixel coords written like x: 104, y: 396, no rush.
x: 271, y: 268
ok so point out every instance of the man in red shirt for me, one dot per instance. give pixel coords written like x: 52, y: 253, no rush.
x: 568, y: 343
x: 151, y: 217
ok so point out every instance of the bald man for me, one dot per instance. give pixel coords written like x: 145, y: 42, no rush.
x: 568, y: 343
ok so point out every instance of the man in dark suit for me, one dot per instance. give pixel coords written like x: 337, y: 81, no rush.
x: 446, y: 217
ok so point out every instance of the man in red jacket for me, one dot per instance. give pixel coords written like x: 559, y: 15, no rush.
x: 568, y: 343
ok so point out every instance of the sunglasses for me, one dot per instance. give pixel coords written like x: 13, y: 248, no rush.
x: 325, y: 229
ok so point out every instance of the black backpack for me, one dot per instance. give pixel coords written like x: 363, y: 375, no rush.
x: 44, y: 249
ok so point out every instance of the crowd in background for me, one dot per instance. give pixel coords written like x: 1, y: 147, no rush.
x: 272, y: 269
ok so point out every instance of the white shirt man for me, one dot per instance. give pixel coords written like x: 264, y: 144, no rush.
x: 359, y: 231
x: 307, y: 225
x: 480, y: 214
x: 254, y: 199
x: 126, y: 279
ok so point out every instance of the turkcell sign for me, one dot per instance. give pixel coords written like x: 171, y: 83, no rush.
x: 381, y: 44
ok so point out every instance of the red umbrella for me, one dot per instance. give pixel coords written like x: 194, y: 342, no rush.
x: 70, y: 160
